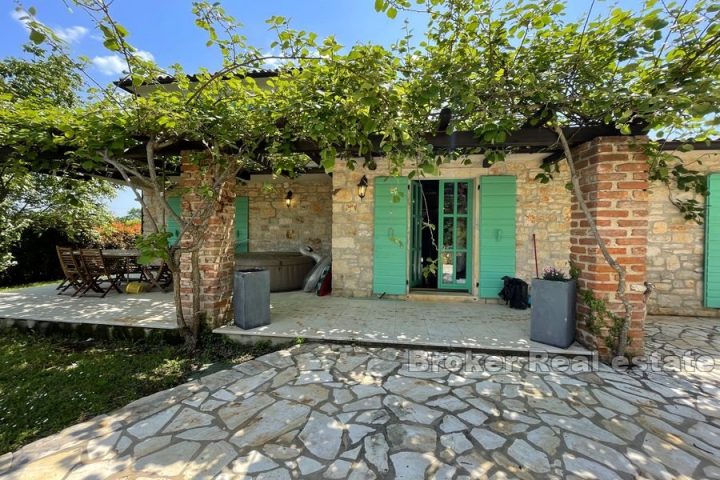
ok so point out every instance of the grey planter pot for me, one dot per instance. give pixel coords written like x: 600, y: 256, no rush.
x: 552, y: 318
x: 251, y: 298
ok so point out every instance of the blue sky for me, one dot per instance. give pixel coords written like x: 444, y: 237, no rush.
x: 165, y: 30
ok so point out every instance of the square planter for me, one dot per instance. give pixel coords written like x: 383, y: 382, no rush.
x: 251, y: 298
x: 552, y: 320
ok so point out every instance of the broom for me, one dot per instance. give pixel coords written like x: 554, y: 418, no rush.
x: 537, y: 271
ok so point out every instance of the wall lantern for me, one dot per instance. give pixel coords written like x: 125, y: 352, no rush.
x: 288, y: 198
x: 362, y: 187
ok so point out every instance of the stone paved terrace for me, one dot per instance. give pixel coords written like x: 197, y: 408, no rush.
x: 340, y: 411
x: 489, y: 327
x: 147, y: 310
x: 298, y: 314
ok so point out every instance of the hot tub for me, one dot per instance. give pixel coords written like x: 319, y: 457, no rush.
x: 287, y: 269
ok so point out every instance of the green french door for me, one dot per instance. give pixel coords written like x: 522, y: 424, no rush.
x: 455, y: 235
x: 416, y: 260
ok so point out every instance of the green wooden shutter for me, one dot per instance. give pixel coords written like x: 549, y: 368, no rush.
x: 172, y: 225
x: 390, y: 235
x: 497, y: 233
x: 241, y: 224
x: 712, y: 242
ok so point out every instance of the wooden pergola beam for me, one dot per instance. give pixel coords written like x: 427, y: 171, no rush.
x: 528, y: 139
x: 524, y: 140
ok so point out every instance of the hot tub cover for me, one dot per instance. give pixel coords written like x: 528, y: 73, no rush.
x: 287, y: 269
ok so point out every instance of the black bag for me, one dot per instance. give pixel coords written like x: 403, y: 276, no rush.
x: 515, y: 293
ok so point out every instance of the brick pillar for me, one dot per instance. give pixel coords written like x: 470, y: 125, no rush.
x: 613, y: 176
x: 217, y: 255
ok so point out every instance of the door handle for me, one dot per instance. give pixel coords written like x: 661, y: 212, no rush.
x: 498, y: 234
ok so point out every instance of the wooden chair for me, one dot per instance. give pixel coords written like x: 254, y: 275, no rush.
x: 159, y: 275
x: 71, y: 269
x: 132, y: 267
x: 96, y: 271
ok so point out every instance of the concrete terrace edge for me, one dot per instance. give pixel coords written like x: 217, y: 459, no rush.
x: 102, y: 330
x: 245, y: 336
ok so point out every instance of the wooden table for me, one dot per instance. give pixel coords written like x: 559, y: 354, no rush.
x: 121, y: 253
x: 146, y: 271
x: 116, y: 253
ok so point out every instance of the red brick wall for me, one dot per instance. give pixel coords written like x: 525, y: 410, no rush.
x: 217, y: 256
x: 614, y: 180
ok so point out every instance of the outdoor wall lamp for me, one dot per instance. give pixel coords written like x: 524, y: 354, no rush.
x: 288, y: 199
x: 362, y: 187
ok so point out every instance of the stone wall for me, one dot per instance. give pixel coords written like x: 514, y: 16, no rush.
x: 272, y: 225
x: 352, y: 232
x: 542, y: 209
x: 275, y: 227
x: 154, y: 209
x: 676, y: 248
x: 327, y: 214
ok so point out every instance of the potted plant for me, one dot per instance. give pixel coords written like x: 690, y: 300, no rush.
x: 552, y: 320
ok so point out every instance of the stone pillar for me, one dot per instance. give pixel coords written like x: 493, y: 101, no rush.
x: 613, y: 174
x: 352, y: 232
x: 217, y: 255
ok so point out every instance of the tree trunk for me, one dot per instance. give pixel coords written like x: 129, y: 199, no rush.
x: 185, y: 330
x: 196, y: 315
x: 619, y: 269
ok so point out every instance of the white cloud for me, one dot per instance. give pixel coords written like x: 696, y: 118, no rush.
x: 18, y: 15
x: 145, y: 55
x: 110, y: 64
x: 273, y: 63
x: 115, y: 64
x: 71, y: 34
x: 66, y: 34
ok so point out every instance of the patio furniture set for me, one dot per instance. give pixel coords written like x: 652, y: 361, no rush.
x: 92, y: 270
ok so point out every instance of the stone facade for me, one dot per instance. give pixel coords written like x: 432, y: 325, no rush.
x: 275, y: 227
x: 542, y: 209
x: 676, y: 248
x: 614, y: 180
x: 352, y: 232
x: 645, y: 227
x: 272, y: 227
x: 154, y: 210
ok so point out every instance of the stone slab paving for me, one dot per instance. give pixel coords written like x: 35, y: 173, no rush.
x: 341, y: 411
x: 148, y: 310
x: 298, y: 314
x: 488, y: 327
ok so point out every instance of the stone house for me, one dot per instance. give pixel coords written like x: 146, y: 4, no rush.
x: 496, y: 217
x: 480, y: 223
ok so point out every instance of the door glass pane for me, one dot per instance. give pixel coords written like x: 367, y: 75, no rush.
x: 462, y: 197
x: 461, y: 267
x: 447, y: 267
x: 461, y: 234
x: 449, y: 198
x: 448, y: 236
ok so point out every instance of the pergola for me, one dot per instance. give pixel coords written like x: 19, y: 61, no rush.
x: 526, y: 140
x: 614, y: 176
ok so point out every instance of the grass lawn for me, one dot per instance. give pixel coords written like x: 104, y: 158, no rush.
x: 50, y: 382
